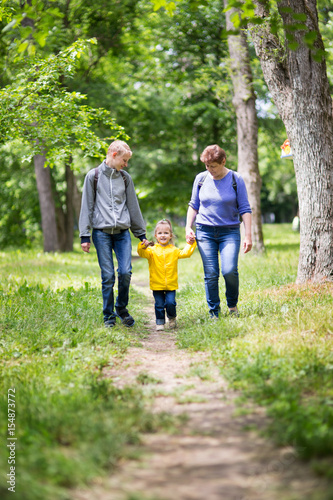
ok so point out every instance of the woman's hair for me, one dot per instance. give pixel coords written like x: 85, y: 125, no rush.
x: 120, y: 147
x: 213, y: 154
x: 168, y: 223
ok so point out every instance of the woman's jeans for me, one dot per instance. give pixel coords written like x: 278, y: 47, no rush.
x: 165, y: 300
x: 212, y: 241
x: 121, y: 245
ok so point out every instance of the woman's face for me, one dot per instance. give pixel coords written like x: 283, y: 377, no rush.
x: 216, y: 169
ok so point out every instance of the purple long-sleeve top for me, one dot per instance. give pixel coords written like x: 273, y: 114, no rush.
x: 216, y: 202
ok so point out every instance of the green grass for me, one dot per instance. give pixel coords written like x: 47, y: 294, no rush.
x: 72, y: 424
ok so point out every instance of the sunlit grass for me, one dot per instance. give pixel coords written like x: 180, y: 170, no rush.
x: 72, y: 424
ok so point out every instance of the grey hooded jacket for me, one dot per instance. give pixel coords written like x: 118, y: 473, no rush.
x: 115, y: 207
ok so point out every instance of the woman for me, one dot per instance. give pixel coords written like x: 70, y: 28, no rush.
x: 219, y: 197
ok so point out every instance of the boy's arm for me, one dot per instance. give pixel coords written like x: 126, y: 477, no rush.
x: 187, y: 251
x: 138, y: 226
x: 87, y: 207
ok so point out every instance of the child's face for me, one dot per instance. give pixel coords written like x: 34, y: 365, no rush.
x: 163, y: 234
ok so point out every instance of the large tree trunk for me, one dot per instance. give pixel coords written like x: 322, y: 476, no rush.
x: 247, y: 125
x: 300, y: 89
x: 46, y: 203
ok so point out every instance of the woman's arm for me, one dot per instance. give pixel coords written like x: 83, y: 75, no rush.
x: 191, y: 215
x: 247, y: 243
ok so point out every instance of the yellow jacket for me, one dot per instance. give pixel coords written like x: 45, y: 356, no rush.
x: 163, y: 263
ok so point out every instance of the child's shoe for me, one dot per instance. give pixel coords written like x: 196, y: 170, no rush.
x: 159, y: 328
x: 172, y: 323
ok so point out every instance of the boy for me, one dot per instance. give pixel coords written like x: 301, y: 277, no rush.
x: 109, y: 208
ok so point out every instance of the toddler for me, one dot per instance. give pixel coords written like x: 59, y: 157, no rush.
x: 163, y: 275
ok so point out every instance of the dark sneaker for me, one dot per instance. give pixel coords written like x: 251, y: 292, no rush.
x: 126, y: 318
x: 110, y: 323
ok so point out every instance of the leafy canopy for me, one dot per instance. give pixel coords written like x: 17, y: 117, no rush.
x: 38, y: 109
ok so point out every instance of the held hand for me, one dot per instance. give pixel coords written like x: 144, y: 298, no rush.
x: 85, y: 247
x: 190, y: 236
x: 247, y: 244
x: 146, y: 243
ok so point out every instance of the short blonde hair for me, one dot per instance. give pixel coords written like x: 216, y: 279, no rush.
x: 119, y: 147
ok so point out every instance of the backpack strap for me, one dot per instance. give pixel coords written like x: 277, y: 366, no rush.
x: 96, y: 180
x: 124, y: 178
x: 202, y: 180
x: 234, y: 185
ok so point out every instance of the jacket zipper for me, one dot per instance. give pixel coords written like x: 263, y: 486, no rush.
x: 112, y: 200
x: 165, y: 271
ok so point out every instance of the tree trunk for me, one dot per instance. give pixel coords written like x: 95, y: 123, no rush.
x: 46, y: 203
x: 247, y: 125
x: 300, y: 89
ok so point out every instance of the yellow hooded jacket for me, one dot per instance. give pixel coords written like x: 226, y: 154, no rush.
x: 163, y: 263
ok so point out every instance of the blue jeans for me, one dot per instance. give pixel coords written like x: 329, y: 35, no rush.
x: 121, y: 245
x: 165, y: 300
x: 212, y: 241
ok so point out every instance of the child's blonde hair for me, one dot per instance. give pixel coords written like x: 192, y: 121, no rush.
x: 119, y: 147
x: 165, y: 221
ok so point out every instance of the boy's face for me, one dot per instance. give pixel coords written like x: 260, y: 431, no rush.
x: 118, y: 161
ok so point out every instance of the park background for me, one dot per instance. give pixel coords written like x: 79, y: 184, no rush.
x: 160, y: 79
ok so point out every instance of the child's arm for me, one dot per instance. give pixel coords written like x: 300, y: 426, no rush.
x: 187, y: 251
x: 143, y: 250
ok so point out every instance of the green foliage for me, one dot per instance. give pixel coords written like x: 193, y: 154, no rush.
x: 6, y: 11
x: 19, y: 206
x: 173, y: 97
x: 47, y: 118
x: 163, y: 78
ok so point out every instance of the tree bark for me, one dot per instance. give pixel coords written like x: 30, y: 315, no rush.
x: 300, y: 89
x: 46, y: 202
x: 247, y: 125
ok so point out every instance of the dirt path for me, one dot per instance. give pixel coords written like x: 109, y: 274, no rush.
x: 212, y: 456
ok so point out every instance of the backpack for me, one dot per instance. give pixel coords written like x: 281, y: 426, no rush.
x: 234, y: 185
x: 96, y: 179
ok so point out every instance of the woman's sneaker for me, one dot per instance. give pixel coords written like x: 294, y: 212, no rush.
x: 159, y: 328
